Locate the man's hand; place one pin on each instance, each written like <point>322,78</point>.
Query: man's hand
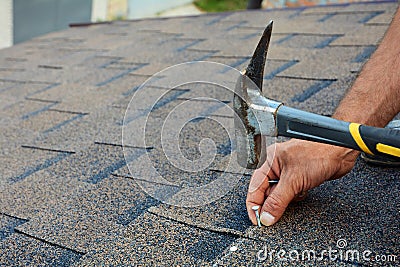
<point>300,166</point>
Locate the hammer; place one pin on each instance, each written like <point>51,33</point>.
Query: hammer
<point>257,117</point>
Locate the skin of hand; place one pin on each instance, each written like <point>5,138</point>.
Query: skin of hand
<point>302,165</point>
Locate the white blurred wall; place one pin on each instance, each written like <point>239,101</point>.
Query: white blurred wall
<point>142,9</point>
<point>21,20</point>
<point>6,23</point>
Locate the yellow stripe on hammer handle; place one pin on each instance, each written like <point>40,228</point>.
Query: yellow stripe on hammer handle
<point>390,150</point>
<point>376,145</point>
<point>355,133</point>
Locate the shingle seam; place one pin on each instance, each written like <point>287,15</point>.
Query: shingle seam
<point>203,100</point>
<point>236,64</point>
<point>68,111</point>
<point>235,26</point>
<point>216,229</point>
<point>217,19</point>
<point>344,12</point>
<point>311,91</point>
<point>224,171</point>
<point>304,78</point>
<point>249,36</point>
<point>140,75</point>
<point>370,16</point>
<point>153,78</point>
<point>222,116</point>
<point>327,41</point>
<point>41,166</point>
<point>112,60</point>
<point>15,59</point>
<point>280,69</point>
<point>63,123</point>
<point>12,69</point>
<point>310,34</point>
<point>230,56</point>
<point>43,89</point>
<point>49,242</point>
<point>116,33</point>
<point>302,8</point>
<point>121,145</point>
<point>50,67</point>
<point>86,49</point>
<point>298,13</point>
<point>144,180</point>
<point>47,149</point>
<point>9,228</point>
<point>202,50</point>
<point>160,32</point>
<point>38,111</point>
<point>120,75</point>
<point>201,226</point>
<point>192,43</point>
<point>365,54</point>
<point>41,100</point>
<point>113,167</point>
<point>285,38</point>
<point>13,216</point>
<point>160,103</point>
<point>24,82</point>
<point>206,56</point>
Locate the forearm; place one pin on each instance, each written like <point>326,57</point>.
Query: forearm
<point>374,98</point>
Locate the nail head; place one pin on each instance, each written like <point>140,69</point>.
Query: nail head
<point>255,208</point>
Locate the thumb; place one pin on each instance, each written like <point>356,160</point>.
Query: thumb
<point>276,203</point>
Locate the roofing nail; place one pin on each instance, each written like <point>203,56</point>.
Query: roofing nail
<point>255,208</point>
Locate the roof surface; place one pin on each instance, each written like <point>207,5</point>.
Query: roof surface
<point>68,198</point>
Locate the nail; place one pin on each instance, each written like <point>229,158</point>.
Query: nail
<point>255,208</point>
<point>267,219</point>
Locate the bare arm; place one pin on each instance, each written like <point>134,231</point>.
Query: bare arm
<point>374,100</point>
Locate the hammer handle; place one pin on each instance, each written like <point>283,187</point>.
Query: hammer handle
<point>308,126</point>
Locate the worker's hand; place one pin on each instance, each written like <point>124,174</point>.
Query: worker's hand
<point>300,166</point>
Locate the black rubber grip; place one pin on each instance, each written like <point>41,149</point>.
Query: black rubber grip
<point>309,126</point>
<point>381,140</point>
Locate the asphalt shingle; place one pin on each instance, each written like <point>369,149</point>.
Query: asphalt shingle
<point>67,196</point>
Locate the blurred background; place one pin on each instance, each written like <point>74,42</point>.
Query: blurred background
<point>22,20</point>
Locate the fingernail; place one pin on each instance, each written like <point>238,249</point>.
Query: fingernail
<point>267,219</point>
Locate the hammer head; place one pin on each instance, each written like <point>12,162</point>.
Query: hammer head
<point>254,116</point>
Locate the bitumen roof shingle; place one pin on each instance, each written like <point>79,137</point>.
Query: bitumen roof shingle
<point>67,197</point>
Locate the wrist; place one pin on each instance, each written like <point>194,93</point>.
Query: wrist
<point>347,154</point>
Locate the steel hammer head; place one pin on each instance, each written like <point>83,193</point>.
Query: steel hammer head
<point>254,114</point>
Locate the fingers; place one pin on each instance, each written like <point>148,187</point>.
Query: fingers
<point>299,166</point>
<point>276,203</point>
<point>259,186</point>
<point>256,193</point>
<point>251,213</point>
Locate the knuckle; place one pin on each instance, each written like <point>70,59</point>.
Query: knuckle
<point>275,202</point>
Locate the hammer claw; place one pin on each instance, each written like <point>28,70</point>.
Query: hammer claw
<point>249,142</point>
<point>255,70</point>
<point>258,117</point>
